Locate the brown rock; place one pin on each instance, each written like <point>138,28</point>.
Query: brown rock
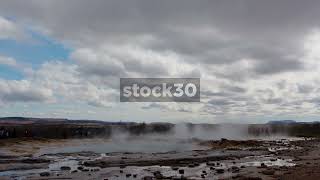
<point>268,172</point>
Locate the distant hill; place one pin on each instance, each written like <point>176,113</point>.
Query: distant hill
<point>16,127</point>
<point>28,120</point>
<point>282,122</point>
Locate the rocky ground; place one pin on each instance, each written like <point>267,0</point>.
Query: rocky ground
<point>222,159</point>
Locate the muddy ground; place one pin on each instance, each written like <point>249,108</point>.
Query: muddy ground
<point>220,159</point>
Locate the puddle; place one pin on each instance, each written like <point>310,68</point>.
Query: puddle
<point>144,145</point>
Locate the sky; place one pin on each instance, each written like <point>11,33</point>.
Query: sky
<point>257,60</point>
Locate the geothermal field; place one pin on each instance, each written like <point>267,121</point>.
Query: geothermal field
<point>37,149</point>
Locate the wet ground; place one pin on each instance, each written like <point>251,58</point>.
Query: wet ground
<point>179,159</point>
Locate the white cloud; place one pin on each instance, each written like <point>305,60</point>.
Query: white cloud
<point>10,30</point>
<point>12,63</point>
<point>23,91</point>
<point>8,61</point>
<point>69,85</point>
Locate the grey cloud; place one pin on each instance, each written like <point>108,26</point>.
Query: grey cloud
<point>232,93</point>
<point>25,96</point>
<point>244,23</point>
<point>212,93</point>
<point>281,84</point>
<point>156,106</point>
<point>151,70</point>
<point>152,105</point>
<point>234,76</point>
<point>102,71</point>
<point>268,67</point>
<point>244,17</point>
<point>234,89</point>
<point>273,101</point>
<point>166,107</point>
<point>220,102</point>
<point>305,89</point>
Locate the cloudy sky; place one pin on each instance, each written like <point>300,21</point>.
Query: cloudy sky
<point>257,60</point>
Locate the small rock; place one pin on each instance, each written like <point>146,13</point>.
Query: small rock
<point>263,165</point>
<point>179,178</point>
<point>147,178</point>
<point>297,159</point>
<point>238,176</point>
<point>65,168</point>
<point>220,171</point>
<point>175,168</point>
<point>235,169</point>
<point>181,171</point>
<point>35,161</point>
<point>158,175</point>
<point>252,178</point>
<point>45,174</point>
<point>268,172</point>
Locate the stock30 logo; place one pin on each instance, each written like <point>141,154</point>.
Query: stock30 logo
<point>159,89</point>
